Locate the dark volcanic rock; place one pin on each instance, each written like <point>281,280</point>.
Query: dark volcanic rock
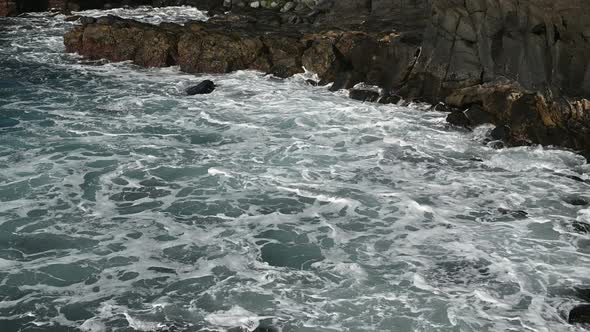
<point>517,214</point>
<point>580,314</point>
<point>204,87</point>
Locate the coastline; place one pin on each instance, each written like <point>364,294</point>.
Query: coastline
<point>539,100</point>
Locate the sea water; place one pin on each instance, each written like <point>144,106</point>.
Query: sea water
<point>126,205</point>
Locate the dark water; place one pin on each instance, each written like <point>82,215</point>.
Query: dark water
<point>126,206</point>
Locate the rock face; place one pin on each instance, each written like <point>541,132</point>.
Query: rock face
<point>523,65</point>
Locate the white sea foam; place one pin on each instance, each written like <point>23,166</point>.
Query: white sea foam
<point>153,15</point>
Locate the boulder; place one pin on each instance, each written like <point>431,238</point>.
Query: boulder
<point>580,314</point>
<point>205,87</point>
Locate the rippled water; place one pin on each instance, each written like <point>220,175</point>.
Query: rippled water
<point>125,205</point>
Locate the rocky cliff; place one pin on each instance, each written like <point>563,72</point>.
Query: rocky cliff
<point>521,64</point>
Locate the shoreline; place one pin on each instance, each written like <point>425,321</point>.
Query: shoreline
<point>545,108</point>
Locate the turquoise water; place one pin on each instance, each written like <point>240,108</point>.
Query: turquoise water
<point>127,206</point>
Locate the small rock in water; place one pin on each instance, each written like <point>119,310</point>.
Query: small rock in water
<point>72,18</point>
<point>311,82</point>
<point>161,269</point>
<point>576,201</point>
<point>580,314</point>
<point>205,87</point>
<point>581,227</point>
<point>518,214</point>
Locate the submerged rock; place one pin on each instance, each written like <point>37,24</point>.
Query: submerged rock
<point>578,201</point>
<point>159,269</point>
<point>205,87</point>
<point>517,214</point>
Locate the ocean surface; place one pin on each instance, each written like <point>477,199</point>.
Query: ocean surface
<point>127,206</point>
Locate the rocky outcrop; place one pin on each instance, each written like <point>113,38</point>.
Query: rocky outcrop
<point>523,65</point>
<point>236,42</point>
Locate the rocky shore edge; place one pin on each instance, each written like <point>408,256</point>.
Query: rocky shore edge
<point>523,66</point>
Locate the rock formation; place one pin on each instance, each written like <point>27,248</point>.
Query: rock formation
<point>15,7</point>
<point>523,65</point>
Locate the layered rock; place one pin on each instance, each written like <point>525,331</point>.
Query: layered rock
<point>523,65</point>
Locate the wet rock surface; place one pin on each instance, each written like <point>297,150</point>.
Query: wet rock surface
<point>525,68</point>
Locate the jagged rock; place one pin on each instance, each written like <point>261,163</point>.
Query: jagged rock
<point>517,214</point>
<point>581,227</point>
<point>205,87</point>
